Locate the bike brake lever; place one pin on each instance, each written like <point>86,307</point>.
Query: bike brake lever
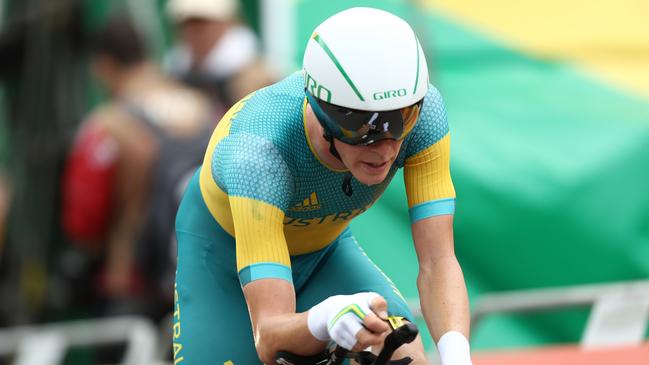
<point>402,335</point>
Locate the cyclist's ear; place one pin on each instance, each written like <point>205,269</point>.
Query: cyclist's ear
<point>380,307</point>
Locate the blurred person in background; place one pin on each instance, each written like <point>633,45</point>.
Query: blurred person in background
<point>215,51</point>
<point>124,174</point>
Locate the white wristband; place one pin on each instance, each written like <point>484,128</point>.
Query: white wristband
<point>454,349</point>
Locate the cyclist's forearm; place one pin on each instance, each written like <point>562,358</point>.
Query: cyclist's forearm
<point>443,297</point>
<point>285,332</point>
<point>275,325</point>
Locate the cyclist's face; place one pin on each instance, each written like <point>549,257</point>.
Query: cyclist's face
<point>369,164</point>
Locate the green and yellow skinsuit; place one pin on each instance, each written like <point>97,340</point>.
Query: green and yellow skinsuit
<point>264,206</point>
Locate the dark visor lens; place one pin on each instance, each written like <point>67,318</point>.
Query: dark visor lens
<point>356,127</point>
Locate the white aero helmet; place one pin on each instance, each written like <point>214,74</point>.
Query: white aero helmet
<point>365,76</point>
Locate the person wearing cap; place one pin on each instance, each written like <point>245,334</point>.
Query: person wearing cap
<point>267,261</point>
<point>216,52</point>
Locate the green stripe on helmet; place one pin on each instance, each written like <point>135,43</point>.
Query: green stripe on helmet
<point>324,46</point>
<point>414,91</point>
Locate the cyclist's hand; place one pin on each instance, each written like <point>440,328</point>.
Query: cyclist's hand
<point>352,321</point>
<point>375,328</point>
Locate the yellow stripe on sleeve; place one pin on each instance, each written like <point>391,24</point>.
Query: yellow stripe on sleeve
<point>427,174</point>
<point>259,233</point>
<point>215,198</point>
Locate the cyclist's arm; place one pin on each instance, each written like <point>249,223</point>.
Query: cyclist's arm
<point>442,290</point>
<point>276,326</point>
<point>264,271</point>
<point>264,268</point>
<point>352,321</point>
<point>258,183</point>
<point>431,198</point>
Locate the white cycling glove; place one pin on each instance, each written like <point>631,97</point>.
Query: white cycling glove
<point>454,349</point>
<point>339,318</point>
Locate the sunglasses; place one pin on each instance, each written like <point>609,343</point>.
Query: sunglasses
<point>360,127</point>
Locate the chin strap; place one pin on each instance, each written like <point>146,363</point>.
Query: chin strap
<point>347,180</point>
<point>332,147</point>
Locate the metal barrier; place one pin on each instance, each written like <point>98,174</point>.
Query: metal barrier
<point>619,315</point>
<point>53,340</point>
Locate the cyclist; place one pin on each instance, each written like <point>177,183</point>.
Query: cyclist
<point>266,260</point>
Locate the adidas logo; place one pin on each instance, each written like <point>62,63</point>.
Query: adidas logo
<point>308,204</point>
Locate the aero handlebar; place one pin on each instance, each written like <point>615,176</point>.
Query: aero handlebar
<point>402,335</point>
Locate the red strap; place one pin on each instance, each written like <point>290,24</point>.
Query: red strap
<point>87,186</point>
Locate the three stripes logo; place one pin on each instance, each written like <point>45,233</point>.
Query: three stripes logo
<point>307,205</point>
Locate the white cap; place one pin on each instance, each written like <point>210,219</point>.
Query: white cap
<point>218,10</point>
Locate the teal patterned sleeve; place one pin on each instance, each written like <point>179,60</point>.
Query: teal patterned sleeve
<point>432,125</point>
<point>252,167</point>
